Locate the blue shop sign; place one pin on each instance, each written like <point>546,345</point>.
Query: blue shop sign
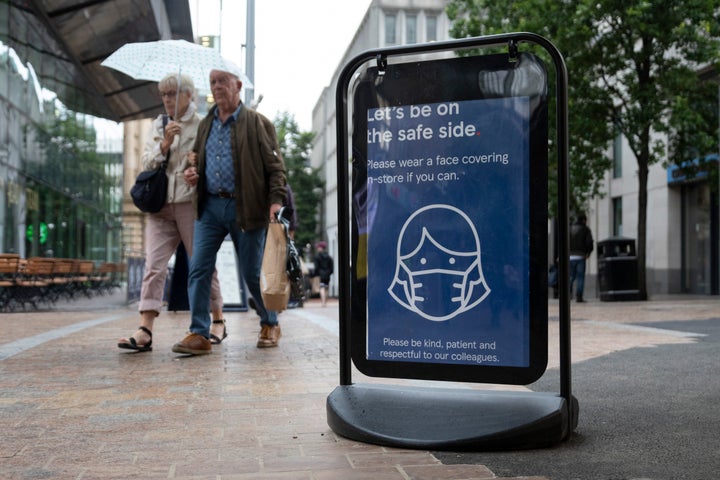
<point>690,170</point>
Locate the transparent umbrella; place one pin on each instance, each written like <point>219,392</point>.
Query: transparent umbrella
<point>154,60</point>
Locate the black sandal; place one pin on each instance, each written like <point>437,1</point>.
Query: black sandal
<point>214,339</point>
<point>133,345</point>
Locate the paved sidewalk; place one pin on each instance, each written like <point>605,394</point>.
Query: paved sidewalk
<point>74,406</point>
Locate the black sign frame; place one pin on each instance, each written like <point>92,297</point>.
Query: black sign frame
<point>454,419</point>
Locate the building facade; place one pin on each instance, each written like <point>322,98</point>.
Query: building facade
<point>682,223</point>
<point>386,23</point>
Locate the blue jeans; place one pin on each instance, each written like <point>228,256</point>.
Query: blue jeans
<point>577,272</point>
<point>215,222</point>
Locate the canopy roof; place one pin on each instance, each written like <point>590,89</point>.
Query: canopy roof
<point>72,38</point>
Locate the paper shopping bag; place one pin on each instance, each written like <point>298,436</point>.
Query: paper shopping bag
<point>274,282</point>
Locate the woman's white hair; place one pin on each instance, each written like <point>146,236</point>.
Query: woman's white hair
<point>171,81</point>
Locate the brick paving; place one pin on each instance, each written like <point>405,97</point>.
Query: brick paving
<point>74,406</point>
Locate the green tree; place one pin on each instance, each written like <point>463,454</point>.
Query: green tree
<point>633,69</point>
<point>306,183</point>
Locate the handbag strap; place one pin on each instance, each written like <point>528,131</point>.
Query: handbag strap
<point>294,267</point>
<point>165,120</point>
<point>283,217</point>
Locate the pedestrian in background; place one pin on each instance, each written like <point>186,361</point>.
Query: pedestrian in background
<point>172,137</point>
<point>581,246</point>
<point>323,269</point>
<point>240,179</point>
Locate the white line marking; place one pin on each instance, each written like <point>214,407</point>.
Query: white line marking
<point>19,346</point>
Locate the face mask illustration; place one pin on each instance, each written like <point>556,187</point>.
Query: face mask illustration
<point>438,273</point>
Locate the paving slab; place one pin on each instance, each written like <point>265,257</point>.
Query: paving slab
<point>74,406</point>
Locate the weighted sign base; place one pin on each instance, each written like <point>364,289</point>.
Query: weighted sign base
<point>449,419</point>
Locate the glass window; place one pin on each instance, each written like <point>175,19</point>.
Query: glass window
<point>390,29</point>
<point>411,29</point>
<point>697,238</point>
<point>430,28</point>
<point>617,156</point>
<point>617,216</point>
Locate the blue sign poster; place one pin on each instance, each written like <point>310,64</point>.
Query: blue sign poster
<point>447,205</point>
<point>450,221</point>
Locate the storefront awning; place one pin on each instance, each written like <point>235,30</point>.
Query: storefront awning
<point>74,37</point>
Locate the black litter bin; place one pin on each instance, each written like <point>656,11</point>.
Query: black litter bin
<point>617,269</point>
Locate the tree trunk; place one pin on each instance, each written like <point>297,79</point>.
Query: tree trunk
<point>642,225</point>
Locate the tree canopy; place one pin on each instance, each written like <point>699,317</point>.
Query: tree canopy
<point>305,181</point>
<point>633,68</point>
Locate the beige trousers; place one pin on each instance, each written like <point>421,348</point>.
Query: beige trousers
<point>165,230</point>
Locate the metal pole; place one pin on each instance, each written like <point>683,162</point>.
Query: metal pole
<point>250,51</point>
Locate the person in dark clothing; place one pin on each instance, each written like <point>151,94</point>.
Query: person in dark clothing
<point>295,300</point>
<point>581,246</point>
<point>323,269</point>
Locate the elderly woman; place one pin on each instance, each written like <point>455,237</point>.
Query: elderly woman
<point>171,138</point>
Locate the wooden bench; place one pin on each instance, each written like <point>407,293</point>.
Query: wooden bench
<point>61,281</point>
<point>9,264</point>
<point>34,281</point>
<point>102,278</point>
<point>82,277</point>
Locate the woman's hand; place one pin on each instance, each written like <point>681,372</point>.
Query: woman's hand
<point>171,130</point>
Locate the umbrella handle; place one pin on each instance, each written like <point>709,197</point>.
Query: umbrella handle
<point>177,91</point>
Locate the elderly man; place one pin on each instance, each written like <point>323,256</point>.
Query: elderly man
<point>240,179</point>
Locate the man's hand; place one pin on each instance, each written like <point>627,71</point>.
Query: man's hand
<point>191,176</point>
<point>274,208</point>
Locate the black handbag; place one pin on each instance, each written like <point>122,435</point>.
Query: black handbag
<point>293,265</point>
<point>150,190</point>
